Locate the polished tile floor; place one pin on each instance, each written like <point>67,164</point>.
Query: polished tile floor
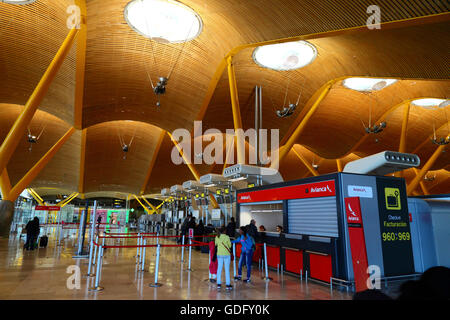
<point>42,274</point>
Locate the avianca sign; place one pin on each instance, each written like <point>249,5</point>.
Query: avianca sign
<point>353,210</point>
<point>309,190</point>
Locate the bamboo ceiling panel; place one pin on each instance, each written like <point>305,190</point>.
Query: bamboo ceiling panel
<point>105,166</point>
<point>30,36</point>
<point>117,87</point>
<point>385,53</point>
<point>62,170</point>
<point>118,59</point>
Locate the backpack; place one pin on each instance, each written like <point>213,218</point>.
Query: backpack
<point>253,243</point>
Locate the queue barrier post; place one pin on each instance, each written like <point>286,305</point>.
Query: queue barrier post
<point>267,278</point>
<point>95,252</point>
<point>234,260</point>
<point>98,273</point>
<point>190,255</point>
<point>61,230</point>
<point>156,283</point>
<point>137,249</point>
<point>182,248</point>
<point>91,252</point>
<point>141,242</point>
<point>143,256</point>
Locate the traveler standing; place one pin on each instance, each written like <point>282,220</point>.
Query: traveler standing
<point>199,231</point>
<point>184,228</point>
<point>32,233</point>
<point>99,221</point>
<point>247,248</point>
<point>223,244</point>
<point>252,230</point>
<point>231,228</point>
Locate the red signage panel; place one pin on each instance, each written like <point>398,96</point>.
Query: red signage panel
<point>47,208</point>
<point>308,190</point>
<point>353,210</point>
<point>357,242</point>
<point>191,233</point>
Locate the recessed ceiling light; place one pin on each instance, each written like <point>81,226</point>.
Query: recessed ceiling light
<point>430,103</point>
<point>285,56</point>
<point>367,84</point>
<point>18,1</point>
<point>163,20</point>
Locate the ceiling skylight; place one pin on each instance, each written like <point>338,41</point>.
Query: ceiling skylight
<point>367,84</point>
<point>163,20</point>
<point>430,103</point>
<point>18,1</point>
<point>285,56</point>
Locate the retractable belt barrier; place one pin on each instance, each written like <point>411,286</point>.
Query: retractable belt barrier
<point>96,256</point>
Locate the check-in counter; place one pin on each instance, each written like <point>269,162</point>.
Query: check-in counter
<point>293,260</point>
<point>320,266</point>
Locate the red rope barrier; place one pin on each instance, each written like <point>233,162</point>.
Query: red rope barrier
<point>148,245</point>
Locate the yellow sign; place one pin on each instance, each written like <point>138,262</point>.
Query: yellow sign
<point>218,192</point>
<point>392,197</point>
<point>251,185</point>
<point>227,191</point>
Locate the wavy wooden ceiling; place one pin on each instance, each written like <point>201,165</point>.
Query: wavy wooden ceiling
<point>117,87</point>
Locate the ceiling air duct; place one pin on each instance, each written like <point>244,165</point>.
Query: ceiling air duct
<point>176,189</point>
<point>383,163</point>
<point>244,171</point>
<point>192,185</point>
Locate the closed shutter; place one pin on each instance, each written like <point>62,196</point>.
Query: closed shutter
<point>314,216</point>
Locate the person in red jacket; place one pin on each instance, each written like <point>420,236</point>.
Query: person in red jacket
<point>212,264</point>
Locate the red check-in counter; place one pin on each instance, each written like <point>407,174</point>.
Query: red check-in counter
<point>293,260</point>
<point>273,256</point>
<point>257,254</point>
<point>320,266</point>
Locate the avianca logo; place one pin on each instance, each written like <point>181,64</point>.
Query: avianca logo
<point>355,217</point>
<point>351,211</point>
<point>322,189</point>
<point>245,198</point>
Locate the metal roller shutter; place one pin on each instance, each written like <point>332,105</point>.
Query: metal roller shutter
<point>315,216</point>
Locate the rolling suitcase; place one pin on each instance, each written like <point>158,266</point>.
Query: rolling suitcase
<point>43,242</point>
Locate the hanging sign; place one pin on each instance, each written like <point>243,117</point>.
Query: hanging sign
<point>47,208</point>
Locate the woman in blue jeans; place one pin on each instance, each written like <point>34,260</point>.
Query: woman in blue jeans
<point>247,249</point>
<point>223,244</point>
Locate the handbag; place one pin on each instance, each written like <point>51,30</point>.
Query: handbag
<point>231,253</point>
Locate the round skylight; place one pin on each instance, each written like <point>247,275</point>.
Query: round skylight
<point>285,56</point>
<point>367,84</point>
<point>163,20</point>
<point>18,1</point>
<point>430,103</point>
